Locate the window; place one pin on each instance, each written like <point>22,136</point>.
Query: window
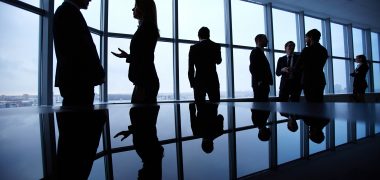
<point>242,76</point>
<point>120,17</point>
<point>340,76</point>
<point>337,40</point>
<point>375,46</point>
<point>191,17</point>
<point>284,28</point>
<point>247,22</point>
<point>19,47</point>
<point>32,2</point>
<point>357,35</point>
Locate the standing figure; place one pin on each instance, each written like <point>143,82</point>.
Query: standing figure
<point>78,66</point>
<point>142,71</point>
<point>204,56</point>
<point>310,66</point>
<point>260,70</point>
<point>360,84</point>
<point>290,86</point>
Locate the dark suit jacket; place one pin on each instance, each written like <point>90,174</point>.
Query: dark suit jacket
<point>283,62</point>
<point>259,67</point>
<point>360,83</point>
<point>142,71</point>
<point>77,58</point>
<point>310,65</point>
<point>204,56</point>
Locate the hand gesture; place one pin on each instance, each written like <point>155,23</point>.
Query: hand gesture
<point>125,134</point>
<point>122,54</point>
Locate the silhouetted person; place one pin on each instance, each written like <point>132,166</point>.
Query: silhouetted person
<point>290,85</point>
<point>316,126</point>
<point>145,140</point>
<point>78,65</point>
<point>204,56</point>
<point>259,119</point>
<point>142,71</point>
<point>260,70</point>
<point>360,83</point>
<point>206,123</point>
<point>310,66</point>
<point>292,123</point>
<point>79,136</point>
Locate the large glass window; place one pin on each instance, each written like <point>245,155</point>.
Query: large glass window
<point>242,76</point>
<point>247,22</point>
<point>340,76</point>
<point>376,76</point>
<point>19,47</point>
<point>164,66</point>
<point>337,40</point>
<point>375,46</point>
<point>284,28</point>
<point>357,35</point>
<point>32,2</point>
<point>193,14</point>
<point>120,17</point>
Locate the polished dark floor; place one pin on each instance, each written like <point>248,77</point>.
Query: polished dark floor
<point>172,141</point>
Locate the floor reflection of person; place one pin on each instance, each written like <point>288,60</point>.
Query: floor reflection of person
<point>259,119</point>
<point>79,136</point>
<point>316,126</point>
<point>145,140</point>
<point>206,123</point>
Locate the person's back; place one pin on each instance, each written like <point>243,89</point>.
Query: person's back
<point>316,57</point>
<point>206,56</point>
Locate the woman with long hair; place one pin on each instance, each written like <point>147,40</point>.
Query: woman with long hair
<point>360,83</point>
<point>142,72</point>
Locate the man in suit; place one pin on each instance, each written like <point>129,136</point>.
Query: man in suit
<point>204,56</point>
<point>78,66</point>
<point>310,66</point>
<point>290,87</point>
<point>260,70</point>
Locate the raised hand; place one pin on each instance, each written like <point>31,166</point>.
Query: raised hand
<point>122,54</point>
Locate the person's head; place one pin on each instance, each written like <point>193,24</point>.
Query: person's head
<point>261,40</point>
<point>312,37</point>
<point>203,33</point>
<point>292,125</point>
<point>207,145</point>
<point>361,59</point>
<point>82,4</point>
<point>264,134</point>
<point>289,47</point>
<point>145,10</point>
<point>316,135</point>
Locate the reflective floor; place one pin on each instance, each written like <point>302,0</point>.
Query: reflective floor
<point>174,140</point>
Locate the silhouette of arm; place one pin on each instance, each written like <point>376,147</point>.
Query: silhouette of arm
<point>191,67</point>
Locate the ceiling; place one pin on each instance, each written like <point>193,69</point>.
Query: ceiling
<point>360,13</point>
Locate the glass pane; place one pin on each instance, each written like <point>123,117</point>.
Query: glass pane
<point>32,2</point>
<point>376,76</point>
<point>191,17</point>
<point>119,86</point>
<point>91,14</point>
<point>357,35</point>
<point>375,46</point>
<point>337,40</point>
<point>164,66</point>
<point>242,76</point>
<point>340,76</point>
<point>19,47</point>
<point>247,22</point>
<point>313,23</point>
<point>120,17</point>
<point>284,28</point>
<point>165,17</point>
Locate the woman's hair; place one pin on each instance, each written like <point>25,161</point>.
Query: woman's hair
<point>362,58</point>
<point>149,11</point>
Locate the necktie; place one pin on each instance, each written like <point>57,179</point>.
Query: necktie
<point>290,61</point>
